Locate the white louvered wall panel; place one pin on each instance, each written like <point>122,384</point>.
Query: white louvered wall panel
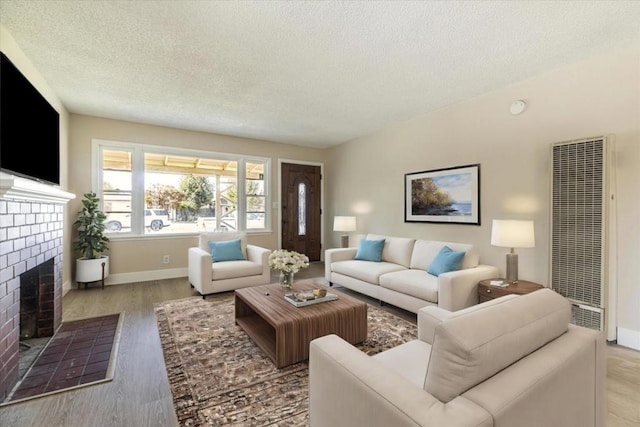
<point>578,240</point>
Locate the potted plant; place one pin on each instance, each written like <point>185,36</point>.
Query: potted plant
<point>91,242</point>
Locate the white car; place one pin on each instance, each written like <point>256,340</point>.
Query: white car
<point>154,219</point>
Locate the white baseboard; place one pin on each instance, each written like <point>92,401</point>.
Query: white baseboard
<point>629,338</point>
<point>143,276</point>
<point>66,287</point>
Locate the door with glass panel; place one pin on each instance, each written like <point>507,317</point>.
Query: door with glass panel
<point>301,195</point>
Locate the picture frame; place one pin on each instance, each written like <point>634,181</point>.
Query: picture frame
<point>448,195</point>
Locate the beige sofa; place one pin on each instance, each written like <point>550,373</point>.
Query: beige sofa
<point>209,277</point>
<point>401,278</point>
<point>511,361</point>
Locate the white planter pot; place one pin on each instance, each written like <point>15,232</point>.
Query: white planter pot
<point>90,270</point>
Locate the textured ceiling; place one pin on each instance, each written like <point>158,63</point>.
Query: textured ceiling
<point>315,73</point>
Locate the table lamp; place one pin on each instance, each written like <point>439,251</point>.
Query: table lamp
<point>344,223</point>
<point>509,233</point>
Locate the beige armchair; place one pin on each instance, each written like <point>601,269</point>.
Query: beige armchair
<point>512,361</point>
<point>209,277</point>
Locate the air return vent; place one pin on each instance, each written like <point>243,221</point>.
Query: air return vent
<point>587,316</point>
<point>578,227</point>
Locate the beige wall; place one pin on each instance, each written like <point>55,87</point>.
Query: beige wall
<point>365,177</point>
<point>128,256</point>
<point>9,47</point>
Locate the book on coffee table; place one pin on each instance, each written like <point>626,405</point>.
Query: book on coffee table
<point>303,302</point>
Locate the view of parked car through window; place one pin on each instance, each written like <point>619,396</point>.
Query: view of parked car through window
<point>154,219</point>
<point>182,194</point>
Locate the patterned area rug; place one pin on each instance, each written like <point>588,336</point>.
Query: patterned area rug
<point>218,376</point>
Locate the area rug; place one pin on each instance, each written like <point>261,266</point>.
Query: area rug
<point>80,353</point>
<point>218,376</point>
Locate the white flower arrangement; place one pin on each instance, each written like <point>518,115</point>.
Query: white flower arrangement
<point>288,261</point>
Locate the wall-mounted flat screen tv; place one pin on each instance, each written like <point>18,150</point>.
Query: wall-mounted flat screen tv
<point>29,128</point>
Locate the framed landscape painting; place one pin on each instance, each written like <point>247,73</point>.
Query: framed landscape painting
<point>450,195</point>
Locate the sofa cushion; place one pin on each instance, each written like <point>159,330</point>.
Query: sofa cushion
<point>233,269</point>
<point>365,270</point>
<point>409,360</point>
<point>226,250</point>
<point>424,252</point>
<point>396,249</point>
<point>417,283</point>
<point>471,348</point>
<point>430,317</point>
<point>217,236</point>
<point>447,260</point>
<point>370,250</point>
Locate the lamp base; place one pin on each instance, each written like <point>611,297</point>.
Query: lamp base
<point>344,241</point>
<point>512,268</point>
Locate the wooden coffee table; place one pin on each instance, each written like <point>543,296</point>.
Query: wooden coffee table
<point>284,331</point>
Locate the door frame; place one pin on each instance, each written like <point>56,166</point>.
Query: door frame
<point>279,202</point>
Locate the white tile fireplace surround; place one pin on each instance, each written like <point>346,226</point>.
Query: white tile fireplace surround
<point>31,233</point>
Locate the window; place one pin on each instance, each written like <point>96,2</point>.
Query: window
<point>117,189</point>
<point>150,190</point>
<point>256,196</point>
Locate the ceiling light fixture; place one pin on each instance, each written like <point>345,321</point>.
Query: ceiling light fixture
<point>517,107</point>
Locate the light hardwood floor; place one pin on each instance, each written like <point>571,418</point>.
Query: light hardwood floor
<point>139,394</point>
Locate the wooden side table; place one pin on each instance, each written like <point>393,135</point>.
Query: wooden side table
<point>487,291</point>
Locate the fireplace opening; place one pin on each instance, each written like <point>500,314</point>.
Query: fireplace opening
<point>36,312</point>
<point>36,301</point>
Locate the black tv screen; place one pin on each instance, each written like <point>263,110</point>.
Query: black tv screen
<point>29,128</point>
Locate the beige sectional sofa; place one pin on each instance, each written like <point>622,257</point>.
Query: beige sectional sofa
<point>401,278</point>
<point>511,361</point>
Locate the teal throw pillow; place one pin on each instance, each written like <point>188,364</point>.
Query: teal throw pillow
<point>446,260</point>
<point>370,250</point>
<point>227,250</point>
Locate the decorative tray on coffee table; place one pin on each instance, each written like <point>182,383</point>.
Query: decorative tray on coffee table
<point>301,299</point>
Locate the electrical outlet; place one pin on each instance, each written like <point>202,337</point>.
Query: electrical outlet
<point>165,259</point>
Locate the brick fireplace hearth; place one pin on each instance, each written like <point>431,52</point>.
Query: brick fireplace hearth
<point>31,233</point>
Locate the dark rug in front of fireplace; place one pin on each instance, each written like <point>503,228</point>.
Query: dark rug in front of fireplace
<point>80,353</point>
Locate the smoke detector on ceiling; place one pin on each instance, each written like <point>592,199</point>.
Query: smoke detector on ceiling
<point>517,107</point>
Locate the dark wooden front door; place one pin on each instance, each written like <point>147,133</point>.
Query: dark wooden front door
<point>301,213</point>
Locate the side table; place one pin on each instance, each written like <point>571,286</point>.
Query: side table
<point>487,291</point>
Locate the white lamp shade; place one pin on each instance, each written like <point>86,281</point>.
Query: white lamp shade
<point>510,233</point>
<point>344,223</point>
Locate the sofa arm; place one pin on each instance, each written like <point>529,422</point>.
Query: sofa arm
<point>258,254</point>
<point>338,254</point>
<point>199,262</point>
<point>349,388</point>
<point>458,289</point>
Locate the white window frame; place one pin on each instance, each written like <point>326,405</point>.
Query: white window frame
<point>137,188</point>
